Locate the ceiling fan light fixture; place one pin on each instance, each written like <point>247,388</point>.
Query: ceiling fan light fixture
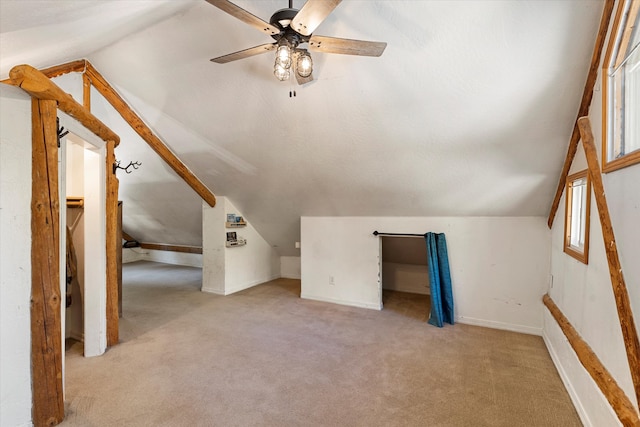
<point>281,72</point>
<point>304,64</point>
<point>283,56</point>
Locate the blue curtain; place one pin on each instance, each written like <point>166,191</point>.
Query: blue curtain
<point>440,280</point>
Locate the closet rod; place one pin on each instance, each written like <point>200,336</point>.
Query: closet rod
<point>377,233</point>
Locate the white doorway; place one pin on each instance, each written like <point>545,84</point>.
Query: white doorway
<point>82,170</point>
<point>404,274</point>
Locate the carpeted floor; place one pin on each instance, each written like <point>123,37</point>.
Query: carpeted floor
<point>265,357</point>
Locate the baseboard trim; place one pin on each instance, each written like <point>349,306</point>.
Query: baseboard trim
<point>242,287</point>
<point>358,304</point>
<point>250,284</point>
<point>530,330</point>
<point>575,399</point>
<point>297,277</point>
<point>212,291</point>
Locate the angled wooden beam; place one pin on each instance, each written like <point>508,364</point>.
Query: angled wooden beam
<point>46,335</point>
<point>147,135</point>
<point>587,95</point>
<point>172,248</point>
<point>58,70</point>
<point>620,293</point>
<point>616,397</point>
<point>128,237</point>
<point>40,86</point>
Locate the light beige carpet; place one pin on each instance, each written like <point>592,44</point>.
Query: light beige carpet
<point>265,357</point>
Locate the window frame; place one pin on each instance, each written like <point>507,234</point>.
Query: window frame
<point>568,248</point>
<point>621,32</point>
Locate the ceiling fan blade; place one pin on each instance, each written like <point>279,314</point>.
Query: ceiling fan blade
<point>244,16</point>
<point>346,46</point>
<point>252,51</point>
<point>312,14</point>
<point>303,80</point>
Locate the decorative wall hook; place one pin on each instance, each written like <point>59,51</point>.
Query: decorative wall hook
<point>134,165</point>
<point>61,132</point>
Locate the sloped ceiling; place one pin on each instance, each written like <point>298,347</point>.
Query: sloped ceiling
<point>467,113</point>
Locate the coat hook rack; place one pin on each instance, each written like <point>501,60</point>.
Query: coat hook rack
<point>61,132</point>
<point>134,165</point>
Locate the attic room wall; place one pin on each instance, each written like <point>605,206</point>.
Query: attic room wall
<point>499,265</point>
<point>15,257</point>
<point>584,292</point>
<point>229,270</point>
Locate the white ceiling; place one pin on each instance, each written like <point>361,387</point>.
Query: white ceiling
<point>468,111</point>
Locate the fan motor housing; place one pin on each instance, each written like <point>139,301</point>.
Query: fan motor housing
<point>293,37</point>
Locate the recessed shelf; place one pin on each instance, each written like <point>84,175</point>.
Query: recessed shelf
<point>235,224</point>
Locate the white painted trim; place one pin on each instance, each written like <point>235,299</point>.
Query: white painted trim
<point>575,399</point>
<point>213,291</point>
<point>343,302</point>
<point>248,285</point>
<point>499,325</point>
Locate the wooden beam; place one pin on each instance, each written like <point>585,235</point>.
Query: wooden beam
<point>620,293</point>
<point>127,237</point>
<point>46,337</point>
<point>587,95</point>
<point>113,245</point>
<point>86,92</point>
<point>148,136</point>
<point>39,86</point>
<point>616,397</point>
<point>58,70</point>
<point>172,248</point>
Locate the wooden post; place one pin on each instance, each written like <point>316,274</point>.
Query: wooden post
<point>616,397</point>
<point>587,95</point>
<point>620,293</point>
<point>119,259</point>
<point>113,242</point>
<point>86,91</point>
<point>46,333</point>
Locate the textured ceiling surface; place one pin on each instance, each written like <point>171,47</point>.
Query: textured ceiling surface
<point>467,113</point>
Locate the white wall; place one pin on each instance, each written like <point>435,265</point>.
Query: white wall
<point>584,292</point>
<point>290,267</point>
<point>15,257</point>
<point>170,257</point>
<point>499,265</point>
<point>229,270</point>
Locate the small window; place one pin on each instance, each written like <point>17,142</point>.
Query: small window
<point>577,211</point>
<point>621,140</point>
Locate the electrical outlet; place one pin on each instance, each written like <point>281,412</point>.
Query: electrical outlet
<point>331,281</point>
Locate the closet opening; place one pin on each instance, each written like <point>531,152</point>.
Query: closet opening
<point>405,276</point>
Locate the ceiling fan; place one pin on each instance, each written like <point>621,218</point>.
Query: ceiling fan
<point>292,28</point>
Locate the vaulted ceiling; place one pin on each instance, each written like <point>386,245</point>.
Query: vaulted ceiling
<point>467,113</point>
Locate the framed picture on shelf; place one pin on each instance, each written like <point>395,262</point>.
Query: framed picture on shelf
<point>231,217</point>
<point>231,236</point>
